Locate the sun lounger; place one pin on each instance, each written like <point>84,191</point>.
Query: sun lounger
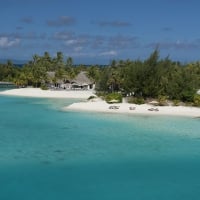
<point>131,108</point>
<point>114,107</point>
<point>153,109</point>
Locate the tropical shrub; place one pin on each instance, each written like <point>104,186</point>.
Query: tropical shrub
<point>136,100</point>
<point>188,95</point>
<point>44,87</point>
<point>176,102</point>
<point>162,100</point>
<point>196,100</point>
<point>113,97</point>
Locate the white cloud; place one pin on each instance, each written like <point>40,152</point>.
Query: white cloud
<point>5,42</point>
<point>63,35</point>
<point>71,42</point>
<point>108,53</point>
<point>76,42</point>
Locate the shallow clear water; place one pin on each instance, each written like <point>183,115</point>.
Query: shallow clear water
<point>48,154</point>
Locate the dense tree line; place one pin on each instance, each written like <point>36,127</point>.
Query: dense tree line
<point>150,78</point>
<point>8,71</point>
<point>34,72</point>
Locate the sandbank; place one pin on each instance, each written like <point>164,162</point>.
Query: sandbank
<point>98,105</point>
<point>37,92</point>
<point>133,109</point>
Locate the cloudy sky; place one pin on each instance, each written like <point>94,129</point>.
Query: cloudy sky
<point>97,31</point>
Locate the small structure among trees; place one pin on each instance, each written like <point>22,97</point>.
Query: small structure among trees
<point>80,82</point>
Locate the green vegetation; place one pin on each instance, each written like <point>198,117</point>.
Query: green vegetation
<point>153,78</point>
<point>113,98</point>
<point>44,87</point>
<point>197,100</point>
<point>136,100</point>
<point>162,100</point>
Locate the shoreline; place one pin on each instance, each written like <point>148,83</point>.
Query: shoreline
<point>98,105</point>
<point>133,109</point>
<point>39,93</point>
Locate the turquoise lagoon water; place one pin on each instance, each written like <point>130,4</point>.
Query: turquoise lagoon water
<point>48,154</point>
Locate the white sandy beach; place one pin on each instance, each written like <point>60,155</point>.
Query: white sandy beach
<point>97,105</point>
<point>37,92</point>
<point>124,108</point>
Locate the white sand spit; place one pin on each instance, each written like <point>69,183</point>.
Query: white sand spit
<point>126,108</point>
<point>37,92</point>
<point>97,105</point>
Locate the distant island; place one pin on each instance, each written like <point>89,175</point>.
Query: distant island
<point>140,81</point>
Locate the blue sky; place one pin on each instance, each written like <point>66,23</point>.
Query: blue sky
<point>97,31</point>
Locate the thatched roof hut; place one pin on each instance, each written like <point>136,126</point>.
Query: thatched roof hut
<point>81,81</point>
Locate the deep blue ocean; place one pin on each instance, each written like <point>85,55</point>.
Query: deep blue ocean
<point>49,154</point>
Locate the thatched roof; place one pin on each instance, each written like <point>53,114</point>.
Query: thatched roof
<point>82,79</point>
